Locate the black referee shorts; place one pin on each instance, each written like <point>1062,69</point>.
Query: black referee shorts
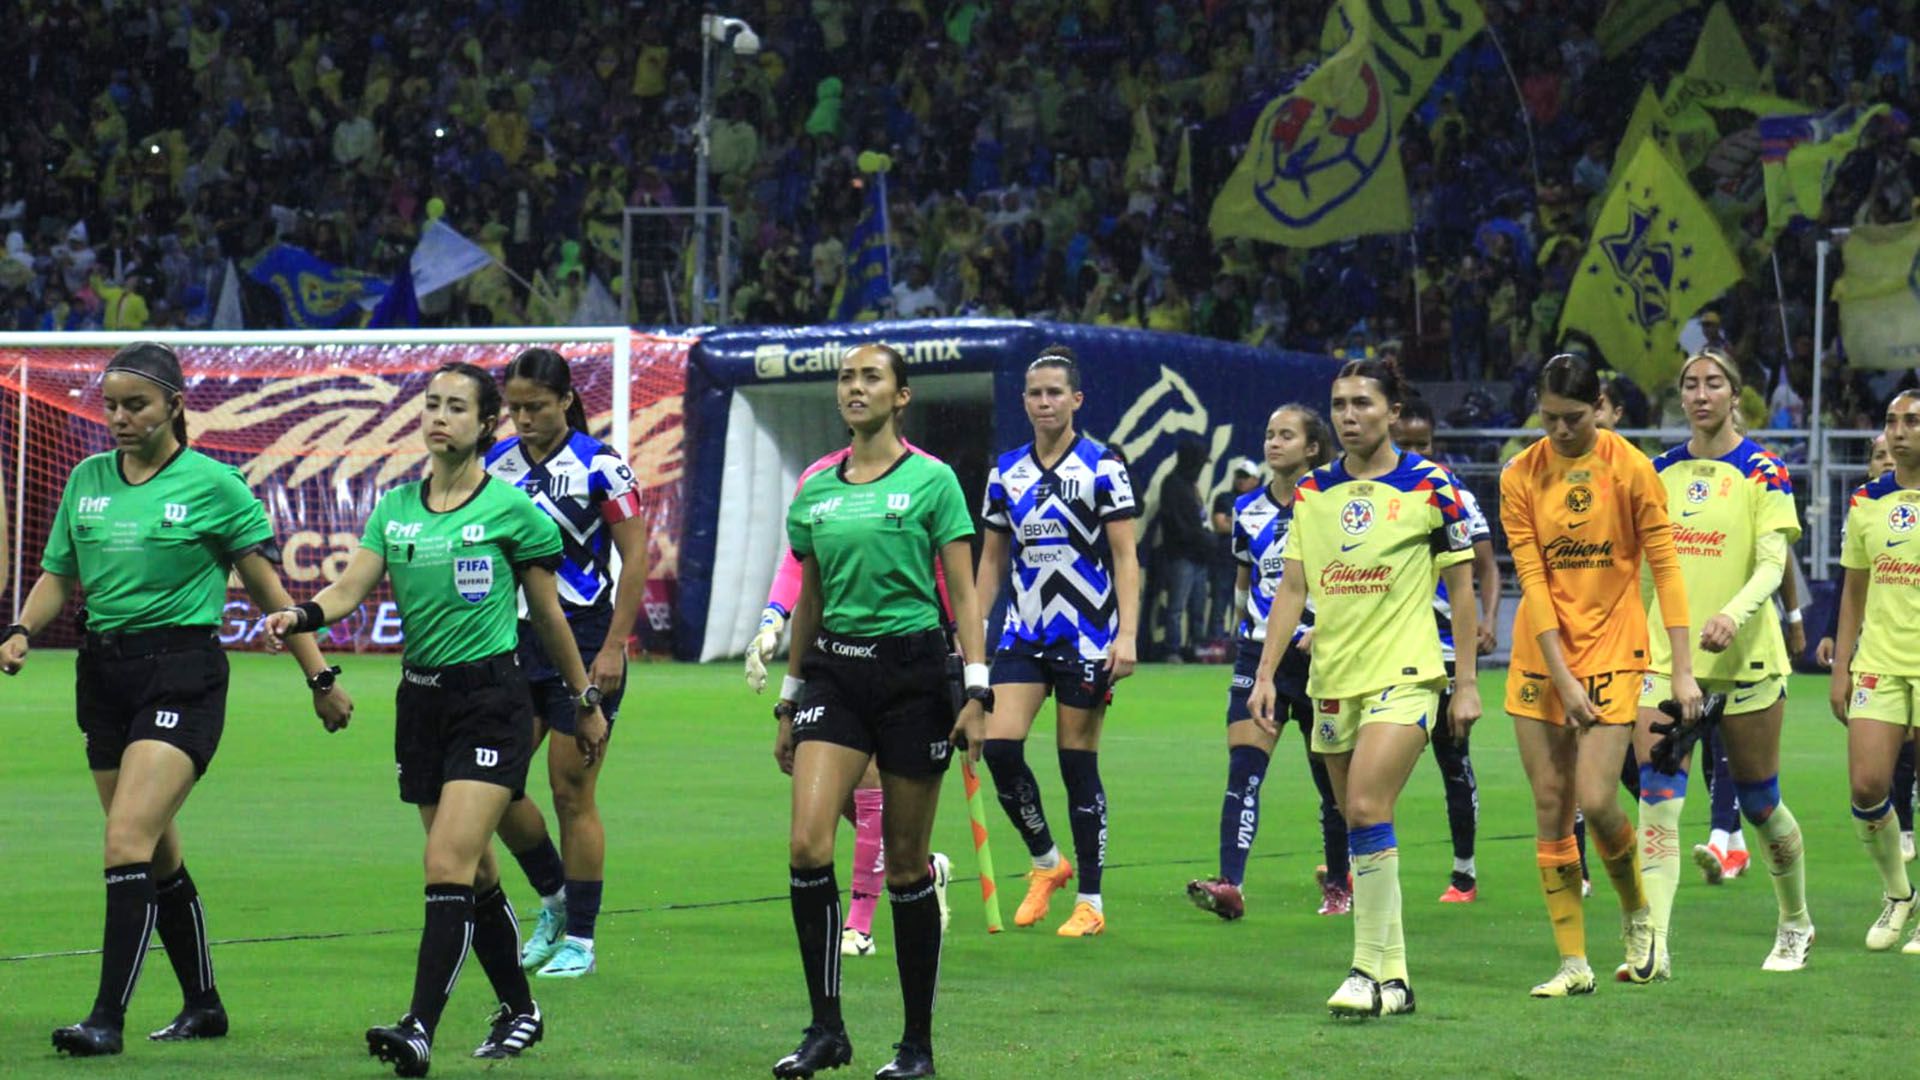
<point>553,701</point>
<point>169,685</point>
<point>462,722</point>
<point>889,697</point>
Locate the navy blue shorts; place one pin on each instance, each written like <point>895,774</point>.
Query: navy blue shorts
<point>553,703</point>
<point>1076,682</point>
<point>1289,679</point>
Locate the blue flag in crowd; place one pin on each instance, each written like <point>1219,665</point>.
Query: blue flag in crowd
<point>318,295</point>
<point>399,307</point>
<point>869,277</point>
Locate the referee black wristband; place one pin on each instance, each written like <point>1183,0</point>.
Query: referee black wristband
<point>13,629</point>
<point>311,617</point>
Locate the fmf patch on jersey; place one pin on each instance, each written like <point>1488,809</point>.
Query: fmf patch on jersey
<point>403,529</point>
<point>1357,517</point>
<point>818,511</point>
<point>1698,491</point>
<point>95,504</point>
<point>473,578</point>
<point>1902,517</point>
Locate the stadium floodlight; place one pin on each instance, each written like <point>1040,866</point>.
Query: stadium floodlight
<point>722,29</point>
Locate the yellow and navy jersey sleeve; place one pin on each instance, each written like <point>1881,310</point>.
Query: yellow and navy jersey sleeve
<point>1883,539</point>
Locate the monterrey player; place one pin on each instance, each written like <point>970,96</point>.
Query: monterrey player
<point>587,489</point>
<point>1060,507</point>
<point>1881,681</point>
<point>1297,442</point>
<point>1731,502</point>
<point>1370,533</point>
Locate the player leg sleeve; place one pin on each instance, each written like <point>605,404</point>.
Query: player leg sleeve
<point>1333,824</point>
<point>1463,792</point>
<point>1662,796</point>
<point>1784,846</point>
<point>444,941</point>
<point>1240,813</point>
<point>916,949</point>
<point>1019,792</point>
<point>1874,827</point>
<point>182,923</point>
<point>1903,785</point>
<point>1725,815</point>
<point>1087,814</point>
<point>869,871</point>
<point>816,922</point>
<point>496,944</point>
<point>123,946</point>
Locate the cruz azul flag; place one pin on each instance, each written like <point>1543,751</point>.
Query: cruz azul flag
<point>869,278</point>
<point>1657,255</point>
<point>1799,156</point>
<point>318,295</point>
<point>1880,296</point>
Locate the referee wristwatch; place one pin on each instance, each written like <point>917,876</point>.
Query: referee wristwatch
<point>589,699</point>
<point>981,694</point>
<point>322,681</point>
<point>14,630</point>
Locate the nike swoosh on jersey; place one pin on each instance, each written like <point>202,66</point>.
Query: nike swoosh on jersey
<point>1688,513</point>
<point>1575,525</point>
<point>1897,543</point>
<point>1357,543</point>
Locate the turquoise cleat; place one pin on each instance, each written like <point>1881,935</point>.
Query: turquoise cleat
<point>548,934</point>
<point>574,959</point>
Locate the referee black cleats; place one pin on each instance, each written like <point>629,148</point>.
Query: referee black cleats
<point>209,1022</point>
<point>512,1032</point>
<point>87,1039</point>
<point>820,1048</point>
<point>909,1060</point>
<point>1677,736</point>
<point>406,1046</point>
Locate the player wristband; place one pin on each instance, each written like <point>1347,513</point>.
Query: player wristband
<point>14,629</point>
<point>1794,617</point>
<point>311,617</point>
<point>975,676</point>
<point>791,688</point>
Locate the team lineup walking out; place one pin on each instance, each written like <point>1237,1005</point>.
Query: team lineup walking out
<point>454,546</point>
<point>1370,534</point>
<point>1060,510</point>
<point>148,533</point>
<point>588,490</point>
<point>1297,442</point>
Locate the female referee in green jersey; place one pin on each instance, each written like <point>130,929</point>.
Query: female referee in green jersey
<point>868,680</point>
<point>148,532</point>
<point>1371,532</point>
<point>454,546</point>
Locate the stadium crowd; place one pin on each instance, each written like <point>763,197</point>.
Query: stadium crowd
<point>149,143</point>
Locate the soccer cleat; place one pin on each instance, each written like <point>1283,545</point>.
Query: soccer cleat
<point>1906,846</point>
<point>1642,963</point>
<point>406,1046</point>
<point>548,935</point>
<point>86,1039</point>
<point>1335,900</point>
<point>512,1032</point>
<point>1456,895</point>
<point>1359,995</point>
<point>574,959</point>
<point>1573,978</point>
<point>1218,895</point>
<point>856,943</point>
<point>909,1060</point>
<point>820,1048</point>
<point>1912,947</point>
<point>1737,863</point>
<point>1790,947</point>
<point>207,1023</point>
<point>1396,998</point>
<point>942,870</point>
<point>1040,887</point>
<point>1086,921</point>
<point>1894,914</point>
<point>1712,863</point>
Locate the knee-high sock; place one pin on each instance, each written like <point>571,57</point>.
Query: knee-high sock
<point>1785,850</point>
<point>444,941</point>
<point>1333,825</point>
<point>916,950</point>
<point>541,863</point>
<point>1875,829</point>
<point>1725,815</point>
<point>1240,813</point>
<point>869,867</point>
<point>583,907</point>
<point>496,944</point>
<point>816,922</point>
<point>123,944</point>
<point>1580,842</point>
<point>1621,857</point>
<point>1903,786</point>
<point>1662,795</point>
<point>1376,902</point>
<point>1453,757</point>
<point>1019,792</point>
<point>1559,862</point>
<point>1087,814</point>
<point>182,923</point>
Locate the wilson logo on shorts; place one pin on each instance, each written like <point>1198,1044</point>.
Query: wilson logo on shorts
<point>473,578</point>
<point>166,719</point>
<point>938,751</point>
<point>486,758</point>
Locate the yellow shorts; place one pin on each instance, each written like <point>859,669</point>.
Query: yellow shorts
<point>1742,697</point>
<point>1337,721</point>
<point>1611,694</point>
<point>1890,699</point>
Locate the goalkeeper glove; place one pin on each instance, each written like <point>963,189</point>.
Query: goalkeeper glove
<point>1677,736</point>
<point>761,648</point>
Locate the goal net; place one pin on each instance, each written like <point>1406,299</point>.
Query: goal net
<point>321,424</point>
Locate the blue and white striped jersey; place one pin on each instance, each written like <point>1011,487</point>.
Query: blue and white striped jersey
<point>1260,528</point>
<point>1062,565</point>
<point>1442,608</point>
<point>585,487</point>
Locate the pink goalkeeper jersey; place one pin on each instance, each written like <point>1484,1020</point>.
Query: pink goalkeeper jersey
<point>786,580</point>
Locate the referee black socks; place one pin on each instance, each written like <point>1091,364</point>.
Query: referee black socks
<point>443,948</point>
<point>123,947</point>
<point>916,949</point>
<point>182,923</point>
<point>496,942</point>
<point>816,922</point>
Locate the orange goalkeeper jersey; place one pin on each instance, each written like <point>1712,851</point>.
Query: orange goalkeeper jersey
<point>1577,528</point>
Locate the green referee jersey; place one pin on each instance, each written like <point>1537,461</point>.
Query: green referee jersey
<point>157,553</point>
<point>876,544</point>
<point>453,570</point>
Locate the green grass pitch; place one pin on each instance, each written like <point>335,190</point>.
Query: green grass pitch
<point>310,868</point>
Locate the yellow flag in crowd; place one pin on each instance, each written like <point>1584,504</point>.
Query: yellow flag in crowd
<point>1625,22</point>
<point>1411,44</point>
<point>1657,255</point>
<point>1880,296</point>
<point>1647,121</point>
<point>1721,54</point>
<point>1704,105</point>
<point>1142,155</point>
<point>1801,154</point>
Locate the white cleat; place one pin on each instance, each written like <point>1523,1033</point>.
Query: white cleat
<point>856,943</point>
<point>1396,998</point>
<point>1912,947</point>
<point>1906,846</point>
<point>1573,978</point>
<point>1894,914</point>
<point>1642,964</point>
<point>1358,996</point>
<point>1790,947</point>
<point>942,868</point>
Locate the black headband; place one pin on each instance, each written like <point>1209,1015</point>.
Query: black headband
<point>155,363</point>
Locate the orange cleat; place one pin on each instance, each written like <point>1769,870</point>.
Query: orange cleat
<point>1040,887</point>
<point>1714,864</point>
<point>1457,895</point>
<point>1737,863</point>
<point>1084,922</point>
